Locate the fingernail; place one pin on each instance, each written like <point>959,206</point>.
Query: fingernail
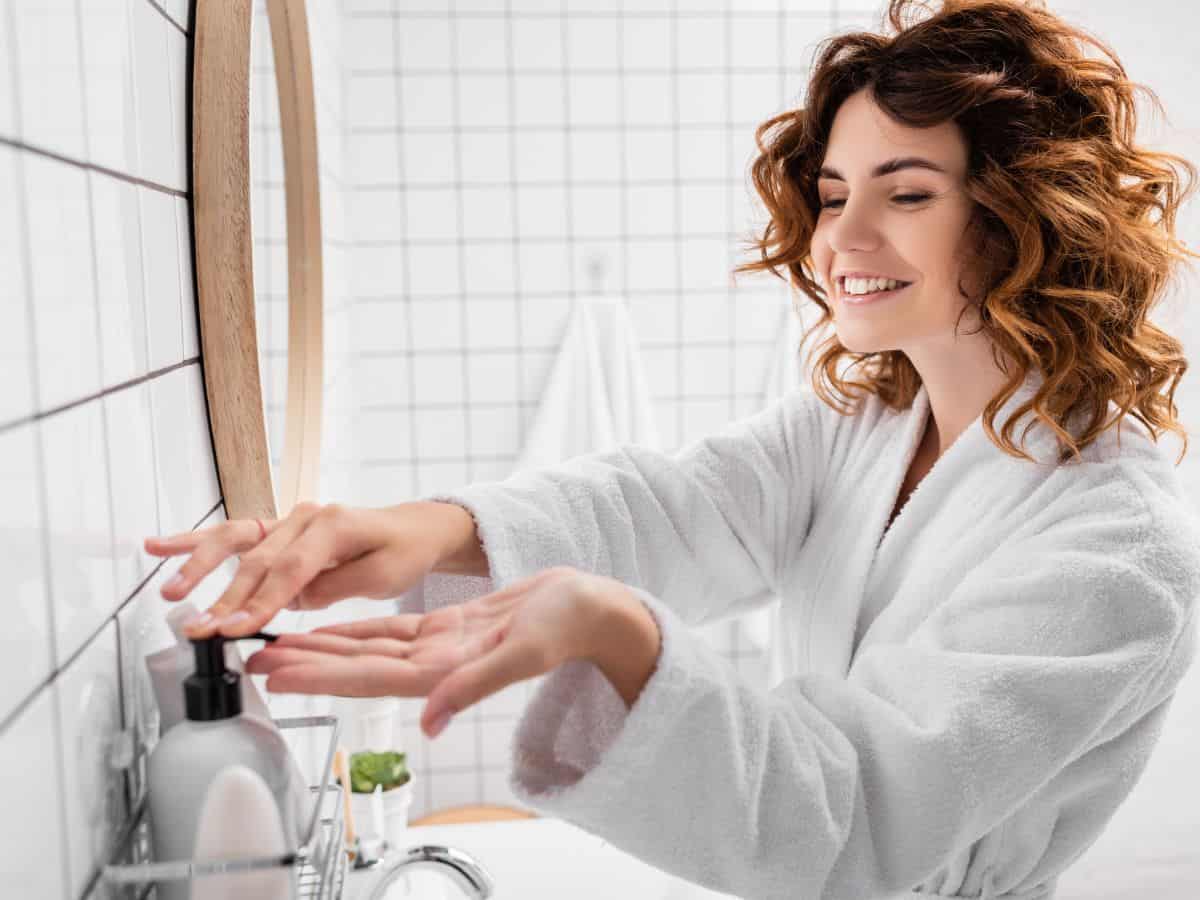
<point>197,620</point>
<point>233,618</point>
<point>293,604</point>
<point>438,724</point>
<point>173,583</point>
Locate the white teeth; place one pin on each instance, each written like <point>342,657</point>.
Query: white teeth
<point>869,285</point>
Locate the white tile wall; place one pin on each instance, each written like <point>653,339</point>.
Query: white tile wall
<point>33,851</point>
<point>79,525</point>
<point>484,185</point>
<point>160,240</point>
<point>50,89</point>
<point>157,151</point>
<point>62,284</point>
<point>26,641</point>
<point>109,88</point>
<point>102,416</point>
<point>17,357</point>
<point>116,234</point>
<point>89,705</point>
<point>9,116</point>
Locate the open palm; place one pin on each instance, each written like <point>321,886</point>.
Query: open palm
<point>456,655</point>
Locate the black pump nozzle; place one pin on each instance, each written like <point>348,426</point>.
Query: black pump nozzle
<point>212,691</point>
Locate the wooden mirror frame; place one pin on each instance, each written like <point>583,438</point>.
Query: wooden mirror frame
<point>224,257</point>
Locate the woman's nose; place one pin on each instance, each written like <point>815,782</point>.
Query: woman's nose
<point>854,228</point>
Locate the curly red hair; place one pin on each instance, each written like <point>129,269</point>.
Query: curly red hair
<point>1075,261</point>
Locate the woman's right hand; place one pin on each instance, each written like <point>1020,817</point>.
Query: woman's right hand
<point>315,556</point>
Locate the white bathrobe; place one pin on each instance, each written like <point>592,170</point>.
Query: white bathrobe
<point>968,701</point>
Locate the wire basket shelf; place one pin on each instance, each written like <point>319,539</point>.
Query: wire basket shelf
<point>318,865</point>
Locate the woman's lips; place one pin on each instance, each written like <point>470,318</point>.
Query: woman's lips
<point>864,299</point>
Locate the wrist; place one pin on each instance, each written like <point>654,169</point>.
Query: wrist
<point>458,550</point>
<point>624,639</point>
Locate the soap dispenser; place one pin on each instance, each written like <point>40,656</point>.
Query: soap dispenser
<point>215,734</point>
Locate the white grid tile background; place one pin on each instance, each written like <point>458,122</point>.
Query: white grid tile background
<point>482,165</point>
<point>506,159</point>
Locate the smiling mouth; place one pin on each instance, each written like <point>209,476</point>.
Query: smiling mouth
<point>854,299</point>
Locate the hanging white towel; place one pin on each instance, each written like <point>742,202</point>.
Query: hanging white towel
<point>597,395</point>
<point>784,374</point>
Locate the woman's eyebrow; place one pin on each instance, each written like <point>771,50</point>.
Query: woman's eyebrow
<point>887,168</point>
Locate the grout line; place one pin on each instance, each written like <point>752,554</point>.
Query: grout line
<point>513,185</point>
<point>678,200</point>
<point>735,627</point>
<point>89,166</point>
<point>759,293</point>
<point>460,239</point>
<point>542,127</point>
<point>406,290</point>
<point>103,392</point>
<point>816,16</point>
<point>371,187</point>
<point>584,71</point>
<point>564,75</point>
<point>624,181</point>
<point>166,15</point>
<point>543,239</point>
<point>464,331</point>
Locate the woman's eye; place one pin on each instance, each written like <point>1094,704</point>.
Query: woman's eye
<point>904,198</point>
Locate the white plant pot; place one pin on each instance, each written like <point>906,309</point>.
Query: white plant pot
<point>395,803</point>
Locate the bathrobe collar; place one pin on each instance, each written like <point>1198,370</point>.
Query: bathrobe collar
<point>971,444</point>
<point>848,583</point>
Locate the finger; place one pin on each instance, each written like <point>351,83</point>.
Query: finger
<point>404,626</point>
<point>156,545</point>
<point>223,541</point>
<point>363,676</point>
<point>345,646</point>
<point>251,571</point>
<point>293,567</point>
<point>186,541</point>
<point>502,663</point>
<point>272,657</point>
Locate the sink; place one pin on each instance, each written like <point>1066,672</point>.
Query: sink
<point>533,859</point>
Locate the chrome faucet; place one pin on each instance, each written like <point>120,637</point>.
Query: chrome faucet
<point>461,868</point>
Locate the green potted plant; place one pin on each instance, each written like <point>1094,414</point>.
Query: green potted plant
<point>385,771</point>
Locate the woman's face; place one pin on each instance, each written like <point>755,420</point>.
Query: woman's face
<point>910,225</point>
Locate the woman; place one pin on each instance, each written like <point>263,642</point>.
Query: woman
<point>982,640</point>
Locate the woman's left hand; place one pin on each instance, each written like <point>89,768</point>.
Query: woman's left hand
<point>456,655</point>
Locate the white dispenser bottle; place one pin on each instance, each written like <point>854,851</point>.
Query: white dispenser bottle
<point>168,668</point>
<point>187,758</point>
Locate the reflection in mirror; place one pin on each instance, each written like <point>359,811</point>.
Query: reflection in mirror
<point>268,223</point>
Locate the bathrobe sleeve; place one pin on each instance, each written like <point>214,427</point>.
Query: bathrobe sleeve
<point>705,528</point>
<point>848,788</point>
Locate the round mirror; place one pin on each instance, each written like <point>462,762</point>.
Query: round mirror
<point>258,247</point>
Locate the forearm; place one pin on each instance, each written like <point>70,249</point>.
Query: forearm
<point>626,643</point>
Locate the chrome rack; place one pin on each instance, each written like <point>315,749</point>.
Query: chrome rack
<point>318,865</point>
